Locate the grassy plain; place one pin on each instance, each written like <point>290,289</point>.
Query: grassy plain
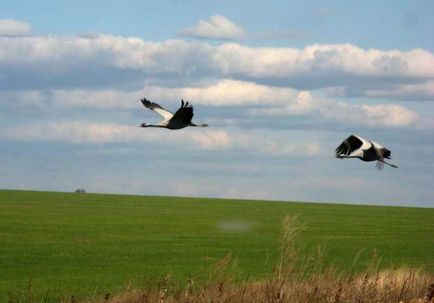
<point>84,244</point>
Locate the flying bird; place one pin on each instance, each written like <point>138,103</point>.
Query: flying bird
<point>182,117</point>
<point>366,150</point>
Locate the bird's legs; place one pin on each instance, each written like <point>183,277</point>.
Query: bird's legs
<point>390,164</point>
<point>380,164</point>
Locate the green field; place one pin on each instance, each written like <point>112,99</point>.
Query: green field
<point>85,244</point>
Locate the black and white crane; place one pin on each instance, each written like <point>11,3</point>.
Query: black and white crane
<point>181,118</point>
<point>366,150</point>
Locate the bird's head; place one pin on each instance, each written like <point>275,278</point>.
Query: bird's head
<point>144,125</point>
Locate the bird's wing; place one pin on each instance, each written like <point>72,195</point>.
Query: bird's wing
<point>366,144</point>
<point>377,145</point>
<point>157,108</point>
<point>385,153</point>
<point>351,144</point>
<point>184,114</point>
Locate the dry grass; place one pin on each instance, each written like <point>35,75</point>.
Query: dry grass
<point>392,286</point>
<point>299,277</point>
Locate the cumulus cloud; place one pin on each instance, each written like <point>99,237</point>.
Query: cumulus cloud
<point>324,61</point>
<point>103,99</point>
<point>105,57</point>
<point>83,132</point>
<point>94,99</point>
<point>222,92</point>
<point>225,92</point>
<point>104,60</point>
<point>260,101</point>
<point>11,27</point>
<point>384,115</point>
<point>286,101</point>
<point>218,27</point>
<point>108,61</point>
<point>87,68</point>
<point>409,92</point>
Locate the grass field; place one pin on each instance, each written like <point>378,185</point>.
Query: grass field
<point>84,244</point>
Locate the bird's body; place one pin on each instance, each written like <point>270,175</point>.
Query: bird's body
<point>181,118</point>
<point>366,150</point>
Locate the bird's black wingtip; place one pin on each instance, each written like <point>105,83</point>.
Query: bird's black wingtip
<point>145,102</point>
<point>185,104</point>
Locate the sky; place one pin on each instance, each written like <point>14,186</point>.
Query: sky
<point>281,84</point>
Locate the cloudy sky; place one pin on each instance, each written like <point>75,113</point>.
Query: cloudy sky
<point>281,84</point>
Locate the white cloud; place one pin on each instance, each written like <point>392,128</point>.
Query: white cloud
<point>225,92</point>
<point>410,92</point>
<point>218,27</point>
<point>82,132</point>
<point>261,101</point>
<point>283,101</point>
<point>384,115</point>
<point>104,61</point>
<point>323,61</point>
<point>95,99</point>
<point>389,115</point>
<point>73,98</point>
<point>226,75</point>
<point>11,27</point>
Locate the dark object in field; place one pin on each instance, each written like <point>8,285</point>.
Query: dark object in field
<point>429,296</point>
<point>182,117</point>
<point>80,191</point>
<point>366,150</point>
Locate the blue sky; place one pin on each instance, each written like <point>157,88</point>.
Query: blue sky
<point>281,84</point>
<point>382,24</point>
